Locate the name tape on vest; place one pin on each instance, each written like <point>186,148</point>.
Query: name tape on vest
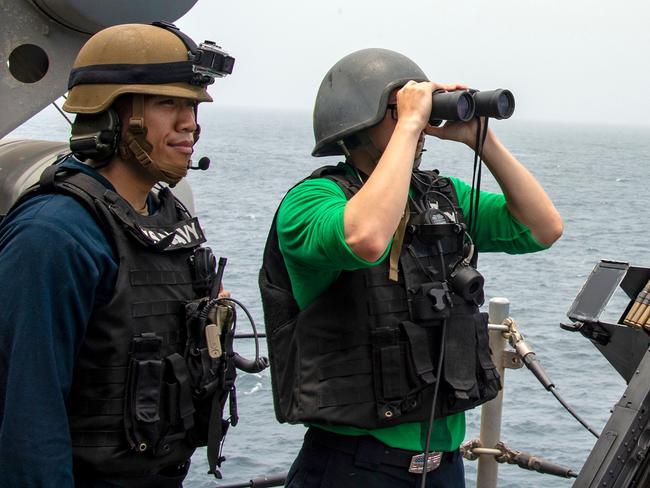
<point>187,233</point>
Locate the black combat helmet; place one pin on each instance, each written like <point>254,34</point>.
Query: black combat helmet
<point>354,95</point>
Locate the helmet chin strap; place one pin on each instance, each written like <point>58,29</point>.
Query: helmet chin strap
<point>368,145</point>
<point>418,160</point>
<point>135,147</point>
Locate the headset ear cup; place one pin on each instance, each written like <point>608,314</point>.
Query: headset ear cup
<point>96,136</point>
<point>113,135</point>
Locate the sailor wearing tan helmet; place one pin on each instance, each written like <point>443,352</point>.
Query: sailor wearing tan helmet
<point>94,386</point>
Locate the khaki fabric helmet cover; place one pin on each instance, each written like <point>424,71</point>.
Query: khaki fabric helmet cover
<point>129,44</point>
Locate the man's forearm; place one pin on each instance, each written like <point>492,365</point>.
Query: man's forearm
<point>526,199</point>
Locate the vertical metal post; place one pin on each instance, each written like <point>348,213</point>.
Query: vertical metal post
<point>486,476</point>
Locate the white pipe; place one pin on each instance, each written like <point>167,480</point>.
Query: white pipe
<point>486,476</point>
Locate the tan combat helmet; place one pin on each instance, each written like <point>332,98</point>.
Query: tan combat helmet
<point>142,59</point>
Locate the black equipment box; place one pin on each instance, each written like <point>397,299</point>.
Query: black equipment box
<point>619,458</point>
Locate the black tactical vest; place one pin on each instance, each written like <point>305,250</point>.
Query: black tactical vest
<point>365,352</point>
<point>145,392</point>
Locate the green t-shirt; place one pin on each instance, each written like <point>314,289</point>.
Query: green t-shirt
<point>312,241</point>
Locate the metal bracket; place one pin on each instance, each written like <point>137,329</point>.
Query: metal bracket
<point>512,360</point>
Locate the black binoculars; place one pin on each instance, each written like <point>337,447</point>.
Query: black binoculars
<point>463,105</point>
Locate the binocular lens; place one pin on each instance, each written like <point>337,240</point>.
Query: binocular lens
<point>503,104</point>
<point>464,109</point>
<point>498,104</point>
<point>457,105</point>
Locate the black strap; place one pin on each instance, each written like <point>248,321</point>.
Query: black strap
<point>187,40</point>
<point>95,376</point>
<point>133,74</point>
<point>375,276</point>
<point>420,352</point>
<point>88,184</point>
<point>346,182</point>
<point>108,438</point>
<point>215,430</point>
<point>139,277</point>
<point>345,368</point>
<point>45,184</point>
<point>185,405</point>
<point>161,307</point>
<point>346,341</point>
<point>345,396</point>
<point>96,406</point>
<point>232,401</point>
<point>46,181</point>
<point>388,306</point>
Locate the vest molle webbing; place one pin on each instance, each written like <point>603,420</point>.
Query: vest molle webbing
<point>364,353</point>
<point>141,401</point>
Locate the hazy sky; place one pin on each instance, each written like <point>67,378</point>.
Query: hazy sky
<point>573,60</point>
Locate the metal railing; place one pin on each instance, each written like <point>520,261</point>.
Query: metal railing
<point>491,412</point>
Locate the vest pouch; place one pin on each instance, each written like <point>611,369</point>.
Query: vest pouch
<point>470,376</point>
<point>461,357</point>
<point>402,359</point>
<point>205,367</point>
<point>143,394</point>
<point>177,408</point>
<point>420,353</point>
<point>416,371</point>
<point>489,379</point>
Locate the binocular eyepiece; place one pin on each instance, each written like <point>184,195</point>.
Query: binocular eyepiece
<point>463,105</point>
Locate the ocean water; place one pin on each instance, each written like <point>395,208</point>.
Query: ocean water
<point>597,177</point>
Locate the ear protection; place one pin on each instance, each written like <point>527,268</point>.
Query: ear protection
<point>95,136</point>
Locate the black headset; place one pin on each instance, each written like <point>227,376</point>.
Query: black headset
<point>95,136</point>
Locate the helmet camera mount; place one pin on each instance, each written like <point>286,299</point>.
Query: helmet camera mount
<point>208,61</point>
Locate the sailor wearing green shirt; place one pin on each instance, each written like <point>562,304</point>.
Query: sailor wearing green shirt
<point>367,325</point>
